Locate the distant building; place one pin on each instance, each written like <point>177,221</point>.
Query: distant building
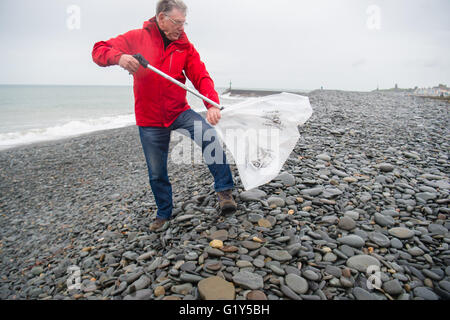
<point>438,91</point>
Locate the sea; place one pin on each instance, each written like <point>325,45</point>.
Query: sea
<point>37,113</point>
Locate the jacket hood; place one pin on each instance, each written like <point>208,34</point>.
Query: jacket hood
<point>152,26</point>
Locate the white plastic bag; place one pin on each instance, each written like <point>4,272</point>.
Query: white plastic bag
<point>261,133</point>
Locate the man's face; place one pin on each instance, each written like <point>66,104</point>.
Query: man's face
<point>172,23</point>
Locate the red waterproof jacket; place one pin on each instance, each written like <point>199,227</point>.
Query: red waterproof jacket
<point>158,102</point>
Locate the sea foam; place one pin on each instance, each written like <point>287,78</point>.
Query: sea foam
<point>69,129</point>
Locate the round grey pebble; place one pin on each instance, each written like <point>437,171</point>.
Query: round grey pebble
<point>298,284</point>
<point>396,243</point>
<point>248,280</point>
<point>347,223</point>
<point>259,263</point>
<point>380,239</point>
<point>393,287</point>
<point>311,275</point>
<point>362,262</point>
<point>329,257</point>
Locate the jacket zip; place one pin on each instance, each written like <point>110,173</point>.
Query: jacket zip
<point>171,55</point>
<point>170,65</point>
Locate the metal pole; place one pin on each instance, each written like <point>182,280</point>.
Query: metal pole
<point>162,74</point>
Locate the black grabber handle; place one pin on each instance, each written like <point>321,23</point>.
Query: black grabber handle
<point>141,60</point>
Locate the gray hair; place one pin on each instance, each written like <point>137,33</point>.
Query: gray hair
<point>167,6</point>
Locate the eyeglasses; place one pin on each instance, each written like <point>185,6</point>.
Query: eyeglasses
<point>177,23</point>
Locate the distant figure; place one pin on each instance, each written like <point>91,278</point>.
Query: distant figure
<point>321,88</point>
<point>161,106</point>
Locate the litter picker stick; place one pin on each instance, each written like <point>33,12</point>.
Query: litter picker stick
<point>145,64</point>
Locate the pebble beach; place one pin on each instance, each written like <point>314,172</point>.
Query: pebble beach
<point>360,211</point>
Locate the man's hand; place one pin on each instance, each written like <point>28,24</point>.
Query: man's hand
<point>213,115</point>
<point>129,63</point>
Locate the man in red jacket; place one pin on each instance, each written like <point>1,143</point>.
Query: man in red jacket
<point>161,106</point>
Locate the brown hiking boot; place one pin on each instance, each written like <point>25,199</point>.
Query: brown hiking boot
<point>158,224</point>
<point>226,202</point>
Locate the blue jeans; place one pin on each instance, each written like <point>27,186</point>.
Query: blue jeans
<point>155,143</point>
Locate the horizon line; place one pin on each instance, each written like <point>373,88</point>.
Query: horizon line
<point>224,87</point>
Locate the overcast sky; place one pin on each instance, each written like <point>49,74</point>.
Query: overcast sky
<point>282,44</point>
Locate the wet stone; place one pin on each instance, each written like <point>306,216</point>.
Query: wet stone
<point>216,288</point>
<point>251,245</point>
<point>384,220</point>
<point>290,269</point>
<point>259,263</point>
<point>130,255</point>
<point>219,235</point>
<point>188,266</point>
<point>144,294</point>
<point>287,179</point>
<point>361,294</point>
<point>244,264</point>
<point>425,293</point>
<point>347,250</point>
<point>279,255</point>
<point>362,262</point>
<point>333,270</point>
<point>352,240</point>
<point>264,223</point>
<point>380,239</point>
<point>396,243</point>
<point>393,287</point>
<point>386,167</point>
<point>346,223</point>
<point>252,195</point>
<point>298,284</point>
<point>311,275</point>
<point>214,252</point>
<point>415,251</point>
<point>312,192</point>
<point>213,265</point>
<point>401,232</point>
<point>191,256</point>
<point>324,157</point>
<point>288,292</point>
<point>437,229</point>
<point>229,249</point>
<point>256,295</point>
<point>432,275</point>
<point>329,257</point>
<point>277,270</point>
<point>183,289</point>
<point>276,201</point>
<point>188,277</point>
<point>248,280</point>
<point>254,217</point>
<point>352,214</point>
